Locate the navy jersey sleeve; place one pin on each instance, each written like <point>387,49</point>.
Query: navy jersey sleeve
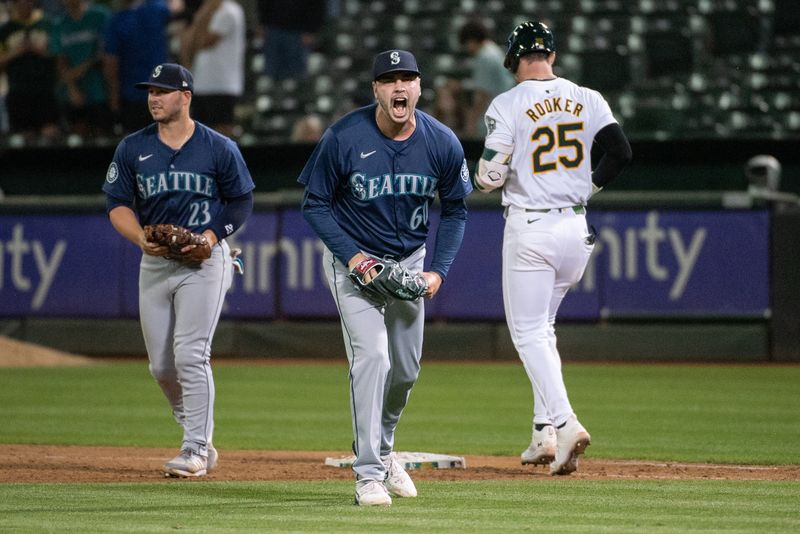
<point>449,235</point>
<point>236,186</point>
<point>320,176</point>
<point>120,183</point>
<point>321,173</point>
<point>453,189</point>
<point>234,177</point>
<point>456,181</point>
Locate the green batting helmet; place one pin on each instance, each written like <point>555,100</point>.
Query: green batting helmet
<point>531,36</point>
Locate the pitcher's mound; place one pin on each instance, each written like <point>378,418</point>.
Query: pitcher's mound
<point>15,353</point>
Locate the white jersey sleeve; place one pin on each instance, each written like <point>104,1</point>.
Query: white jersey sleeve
<point>551,124</point>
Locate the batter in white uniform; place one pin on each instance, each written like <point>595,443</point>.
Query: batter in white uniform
<point>538,150</point>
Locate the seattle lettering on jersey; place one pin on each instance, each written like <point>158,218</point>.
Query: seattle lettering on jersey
<point>367,188</point>
<point>176,181</point>
<point>551,105</point>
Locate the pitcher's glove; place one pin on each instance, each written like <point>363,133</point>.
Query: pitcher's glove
<point>392,280</point>
<point>176,238</point>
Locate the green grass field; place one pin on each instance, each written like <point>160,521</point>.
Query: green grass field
<point>686,413</point>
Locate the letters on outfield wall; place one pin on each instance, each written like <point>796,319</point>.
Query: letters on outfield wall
<point>647,263</point>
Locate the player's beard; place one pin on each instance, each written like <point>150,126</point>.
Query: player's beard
<point>166,108</point>
<point>163,115</point>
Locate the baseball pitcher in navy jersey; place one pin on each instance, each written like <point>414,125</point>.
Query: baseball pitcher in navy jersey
<point>369,186</point>
<point>538,151</point>
<point>178,171</point>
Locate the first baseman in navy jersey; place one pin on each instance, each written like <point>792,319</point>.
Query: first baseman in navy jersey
<point>369,186</point>
<point>178,171</point>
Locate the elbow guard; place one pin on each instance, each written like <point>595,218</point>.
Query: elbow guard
<point>492,170</point>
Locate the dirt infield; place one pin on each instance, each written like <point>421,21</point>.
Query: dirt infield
<point>15,353</point>
<point>49,463</point>
<point>55,463</point>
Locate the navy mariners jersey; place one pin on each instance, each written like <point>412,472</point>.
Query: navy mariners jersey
<point>188,187</point>
<point>379,189</point>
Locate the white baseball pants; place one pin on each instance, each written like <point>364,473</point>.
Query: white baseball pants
<point>544,254</point>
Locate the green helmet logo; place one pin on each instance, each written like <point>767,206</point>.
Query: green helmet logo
<point>531,36</point>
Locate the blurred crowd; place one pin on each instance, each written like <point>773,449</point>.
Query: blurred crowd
<point>68,67</point>
<point>283,70</point>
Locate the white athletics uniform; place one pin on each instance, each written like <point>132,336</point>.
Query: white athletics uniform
<point>550,125</point>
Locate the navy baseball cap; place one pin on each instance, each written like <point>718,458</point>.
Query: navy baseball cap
<point>169,76</point>
<point>394,61</point>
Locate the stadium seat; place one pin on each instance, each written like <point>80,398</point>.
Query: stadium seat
<point>734,31</point>
<point>605,70</point>
<point>786,18</point>
<point>669,49</point>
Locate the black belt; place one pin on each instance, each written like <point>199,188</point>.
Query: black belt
<point>579,209</point>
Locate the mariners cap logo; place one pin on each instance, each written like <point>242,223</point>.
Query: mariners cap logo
<point>394,61</point>
<point>169,76</point>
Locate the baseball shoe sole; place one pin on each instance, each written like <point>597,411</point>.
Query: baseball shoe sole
<point>572,441</point>
<point>571,464</point>
<point>542,450</point>
<point>538,457</point>
<point>187,464</point>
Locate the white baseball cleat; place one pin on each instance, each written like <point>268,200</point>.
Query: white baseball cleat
<point>572,441</point>
<point>372,493</point>
<point>187,464</point>
<point>397,481</point>
<point>213,458</point>
<point>542,449</point>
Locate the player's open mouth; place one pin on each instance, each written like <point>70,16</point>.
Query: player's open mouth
<point>399,105</point>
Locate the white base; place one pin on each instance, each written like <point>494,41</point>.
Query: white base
<point>411,460</point>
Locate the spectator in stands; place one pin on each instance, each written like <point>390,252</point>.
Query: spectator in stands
<point>30,71</point>
<point>214,44</point>
<point>488,79</point>
<point>77,44</point>
<point>193,23</point>
<point>450,104</point>
<point>52,8</point>
<point>290,33</point>
<point>308,129</point>
<point>136,41</point>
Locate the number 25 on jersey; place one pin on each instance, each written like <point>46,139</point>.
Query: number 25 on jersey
<point>570,150</point>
